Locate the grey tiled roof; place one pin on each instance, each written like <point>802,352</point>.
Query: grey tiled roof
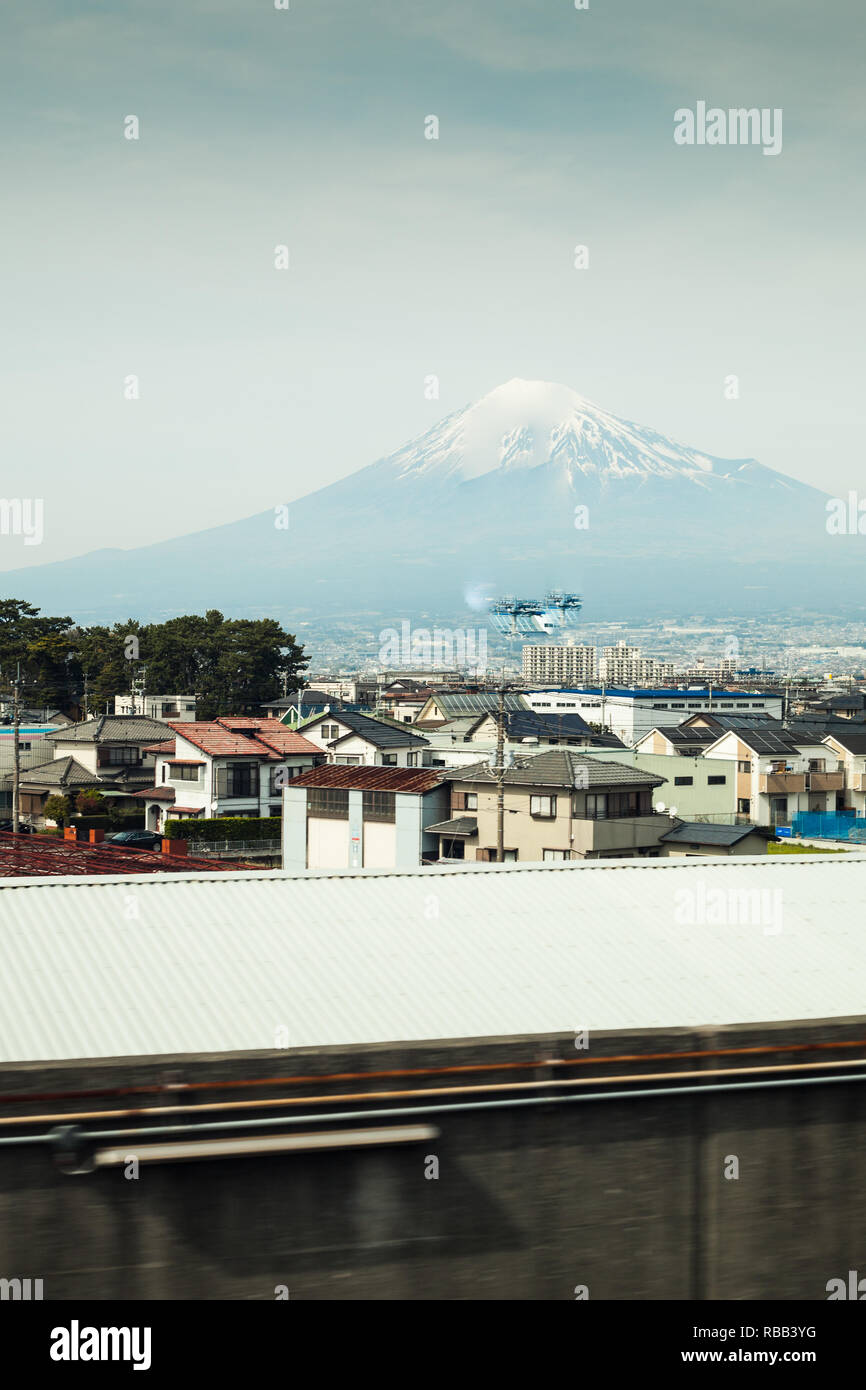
<point>110,728</point>
<point>59,772</point>
<point>558,767</point>
<point>462,827</point>
<point>374,731</point>
<point>698,833</point>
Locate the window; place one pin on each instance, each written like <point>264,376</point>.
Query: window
<point>169,710</point>
<point>816,764</point>
<point>727,704</point>
<point>411,759</point>
<point>554,855</point>
<point>389,759</point>
<point>281,775</point>
<point>180,773</point>
<point>330,731</point>
<point>470,801</point>
<point>744,766</point>
<point>331,802</point>
<point>509,856</point>
<point>237,779</point>
<point>544,806</point>
<point>744,806</point>
<point>716,781</point>
<point>677,706</point>
<point>113,757</point>
<point>348,762</point>
<point>683,781</point>
<point>596,806</point>
<point>379,806</point>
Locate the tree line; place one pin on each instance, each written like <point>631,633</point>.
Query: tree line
<point>231,665</point>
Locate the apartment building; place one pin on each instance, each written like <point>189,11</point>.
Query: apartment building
<point>625,665</point>
<point>570,664</point>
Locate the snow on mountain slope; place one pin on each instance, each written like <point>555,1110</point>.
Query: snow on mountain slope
<point>526,424</point>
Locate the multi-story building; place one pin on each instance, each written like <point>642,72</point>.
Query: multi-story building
<point>570,664</point>
<point>625,665</point>
<point>109,754</point>
<point>631,712</point>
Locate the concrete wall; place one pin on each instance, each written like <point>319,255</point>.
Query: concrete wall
<point>626,1196</point>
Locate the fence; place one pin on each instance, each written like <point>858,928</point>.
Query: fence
<point>816,825</point>
<point>200,849</point>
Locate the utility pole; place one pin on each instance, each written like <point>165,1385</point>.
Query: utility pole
<point>500,779</point>
<point>16,752</point>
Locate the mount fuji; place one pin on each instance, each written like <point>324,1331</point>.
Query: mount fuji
<point>531,488</point>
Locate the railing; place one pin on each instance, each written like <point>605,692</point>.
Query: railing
<point>199,849</point>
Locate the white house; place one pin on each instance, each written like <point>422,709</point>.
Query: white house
<point>781,773</point>
<point>224,767</point>
<point>356,740</point>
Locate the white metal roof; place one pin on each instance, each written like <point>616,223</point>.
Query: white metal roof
<point>137,966</point>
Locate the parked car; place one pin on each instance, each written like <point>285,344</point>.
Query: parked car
<point>134,839</point>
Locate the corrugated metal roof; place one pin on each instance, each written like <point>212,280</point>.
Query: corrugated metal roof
<point>141,966</point>
<point>386,779</point>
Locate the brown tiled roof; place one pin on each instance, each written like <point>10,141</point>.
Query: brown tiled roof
<point>167,747</point>
<point>383,779</point>
<point>218,741</point>
<point>155,794</point>
<point>268,738</point>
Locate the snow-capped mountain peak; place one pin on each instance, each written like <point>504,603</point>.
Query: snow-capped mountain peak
<point>527,424</point>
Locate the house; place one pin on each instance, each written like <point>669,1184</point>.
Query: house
<point>110,754</point>
<point>156,706</point>
<point>357,740</point>
<point>676,740</point>
<point>363,816</point>
<point>440,709</point>
<point>232,766</point>
<point>781,770</point>
<point>557,805</point>
<point>850,750</point>
<point>403,700</point>
<point>693,839</point>
<point>305,704</point>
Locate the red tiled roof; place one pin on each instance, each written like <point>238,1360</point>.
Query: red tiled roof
<point>218,741</point>
<point>190,810</point>
<point>155,794</point>
<point>270,740</point>
<point>383,779</point>
<point>284,740</point>
<point>167,747</point>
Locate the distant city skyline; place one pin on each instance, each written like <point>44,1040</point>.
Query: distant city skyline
<point>409,257</point>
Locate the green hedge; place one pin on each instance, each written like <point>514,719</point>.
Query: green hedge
<point>225,828</point>
<point>91,822</point>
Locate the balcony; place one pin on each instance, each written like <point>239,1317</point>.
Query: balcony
<point>825,781</point>
<point>783,783</point>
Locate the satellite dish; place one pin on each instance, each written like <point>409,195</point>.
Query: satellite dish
<point>660,806</point>
<point>673,810</point>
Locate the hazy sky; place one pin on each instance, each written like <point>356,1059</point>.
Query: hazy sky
<point>409,256</point>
